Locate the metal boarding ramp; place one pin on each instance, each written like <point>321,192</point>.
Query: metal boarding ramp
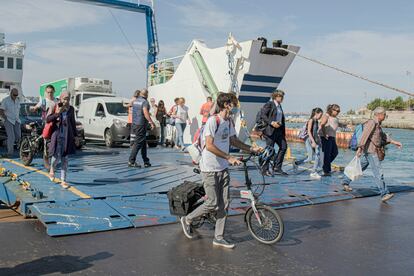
<point>107,195</point>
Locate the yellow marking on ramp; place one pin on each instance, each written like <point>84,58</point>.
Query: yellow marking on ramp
<point>71,188</point>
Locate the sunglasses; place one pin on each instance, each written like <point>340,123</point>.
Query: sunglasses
<point>15,95</point>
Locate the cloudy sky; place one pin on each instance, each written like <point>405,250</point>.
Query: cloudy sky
<point>372,38</point>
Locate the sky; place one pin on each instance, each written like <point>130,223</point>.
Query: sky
<point>371,38</point>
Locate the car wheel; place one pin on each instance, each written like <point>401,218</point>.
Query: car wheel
<point>109,140</point>
<point>79,142</point>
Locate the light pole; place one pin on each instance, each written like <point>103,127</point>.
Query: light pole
<point>408,73</point>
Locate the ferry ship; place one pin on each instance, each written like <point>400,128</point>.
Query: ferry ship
<point>11,66</point>
<point>250,69</point>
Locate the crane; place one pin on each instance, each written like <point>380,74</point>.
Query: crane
<point>148,10</point>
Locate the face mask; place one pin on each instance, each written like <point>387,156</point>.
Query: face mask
<point>234,110</point>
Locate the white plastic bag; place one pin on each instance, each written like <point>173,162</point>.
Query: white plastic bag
<point>353,170</point>
<point>194,152</point>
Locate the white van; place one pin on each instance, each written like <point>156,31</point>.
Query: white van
<point>105,119</point>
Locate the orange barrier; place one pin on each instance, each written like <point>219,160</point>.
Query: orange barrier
<point>342,138</point>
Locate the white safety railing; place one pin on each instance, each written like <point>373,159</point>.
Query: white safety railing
<point>162,71</point>
<point>13,49</point>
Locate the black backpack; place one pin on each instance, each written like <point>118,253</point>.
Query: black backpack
<point>183,198</point>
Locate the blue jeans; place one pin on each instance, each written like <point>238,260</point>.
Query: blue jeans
<point>314,154</point>
<point>58,156</point>
<point>372,159</point>
<point>180,133</point>
<point>309,150</point>
<point>162,135</point>
<point>317,158</point>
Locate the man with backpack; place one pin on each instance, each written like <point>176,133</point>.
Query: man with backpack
<point>47,105</point>
<point>274,132</point>
<point>218,134</point>
<point>370,149</point>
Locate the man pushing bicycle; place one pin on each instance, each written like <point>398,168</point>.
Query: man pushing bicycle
<point>218,134</point>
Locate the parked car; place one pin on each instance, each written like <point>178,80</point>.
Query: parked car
<point>27,116</point>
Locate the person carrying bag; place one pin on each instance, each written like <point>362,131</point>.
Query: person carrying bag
<point>371,151</point>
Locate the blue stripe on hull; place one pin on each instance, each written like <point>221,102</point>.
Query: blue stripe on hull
<point>261,78</point>
<point>256,88</point>
<point>253,99</point>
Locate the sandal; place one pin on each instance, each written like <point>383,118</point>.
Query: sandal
<point>64,185</point>
<point>52,177</point>
<point>347,188</point>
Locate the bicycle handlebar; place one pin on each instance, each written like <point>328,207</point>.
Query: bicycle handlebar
<point>247,159</point>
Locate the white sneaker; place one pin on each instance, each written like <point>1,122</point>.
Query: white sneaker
<point>315,175</point>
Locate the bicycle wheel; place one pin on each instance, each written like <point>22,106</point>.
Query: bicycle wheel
<point>26,153</point>
<point>270,230</point>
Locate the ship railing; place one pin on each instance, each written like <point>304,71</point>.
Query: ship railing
<point>163,70</point>
<point>12,49</point>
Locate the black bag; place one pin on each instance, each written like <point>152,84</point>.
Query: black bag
<point>261,125</point>
<point>183,198</point>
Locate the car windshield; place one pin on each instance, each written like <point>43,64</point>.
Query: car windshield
<point>25,111</point>
<point>117,109</point>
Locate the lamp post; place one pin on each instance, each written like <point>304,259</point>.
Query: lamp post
<point>408,73</point>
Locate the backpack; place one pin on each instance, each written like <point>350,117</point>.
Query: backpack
<point>184,197</point>
<point>303,133</point>
<point>356,137</point>
<point>170,120</point>
<point>198,146</point>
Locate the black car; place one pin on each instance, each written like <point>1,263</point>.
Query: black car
<point>27,116</point>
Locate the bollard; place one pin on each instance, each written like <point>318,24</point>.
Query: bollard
<point>288,153</point>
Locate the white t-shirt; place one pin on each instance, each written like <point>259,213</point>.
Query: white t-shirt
<point>47,105</point>
<point>210,162</point>
<point>11,109</point>
<point>182,113</point>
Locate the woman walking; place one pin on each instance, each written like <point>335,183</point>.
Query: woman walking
<point>161,116</point>
<point>327,132</point>
<point>181,120</point>
<point>313,141</point>
<point>62,142</point>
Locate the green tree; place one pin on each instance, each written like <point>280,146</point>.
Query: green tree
<point>398,103</point>
<point>374,104</point>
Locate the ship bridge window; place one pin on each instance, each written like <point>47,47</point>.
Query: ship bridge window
<point>10,63</point>
<point>19,64</point>
<point>1,62</point>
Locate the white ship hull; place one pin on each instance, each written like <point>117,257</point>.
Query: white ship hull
<point>255,77</point>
